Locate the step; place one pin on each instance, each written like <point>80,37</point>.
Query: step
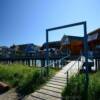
<point>33,98</point>
<point>49,92</point>
<point>54,86</point>
<point>57,83</point>
<point>52,89</point>
<point>44,96</point>
<point>57,80</point>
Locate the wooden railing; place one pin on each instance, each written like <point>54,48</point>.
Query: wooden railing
<point>59,62</point>
<point>74,68</point>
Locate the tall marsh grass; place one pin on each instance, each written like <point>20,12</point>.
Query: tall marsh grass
<point>75,90</point>
<point>24,78</point>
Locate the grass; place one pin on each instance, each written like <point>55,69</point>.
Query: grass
<point>75,89</point>
<point>25,79</point>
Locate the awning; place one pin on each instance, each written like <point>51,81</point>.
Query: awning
<point>92,37</point>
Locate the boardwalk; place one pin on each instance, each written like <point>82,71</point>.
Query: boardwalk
<point>53,88</point>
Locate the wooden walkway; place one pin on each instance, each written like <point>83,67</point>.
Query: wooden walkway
<point>53,88</point>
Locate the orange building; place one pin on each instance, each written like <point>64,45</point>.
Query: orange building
<point>72,44</point>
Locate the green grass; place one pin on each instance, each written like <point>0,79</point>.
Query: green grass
<point>25,79</point>
<point>75,89</point>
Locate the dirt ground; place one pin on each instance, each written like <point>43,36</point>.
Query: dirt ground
<point>10,95</point>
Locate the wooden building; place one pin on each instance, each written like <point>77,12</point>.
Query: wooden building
<point>94,39</point>
<point>4,51</point>
<point>75,46</point>
<point>94,45</point>
<point>68,45</point>
<point>71,44</point>
<point>24,49</point>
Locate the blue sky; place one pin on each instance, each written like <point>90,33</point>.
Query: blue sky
<point>25,21</point>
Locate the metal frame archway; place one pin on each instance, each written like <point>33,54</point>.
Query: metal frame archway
<point>84,24</point>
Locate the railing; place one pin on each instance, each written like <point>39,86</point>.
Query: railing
<point>59,62</point>
<point>74,68</point>
<point>36,56</point>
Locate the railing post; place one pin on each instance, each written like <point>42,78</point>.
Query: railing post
<point>47,52</point>
<point>67,78</point>
<point>78,65</point>
<point>61,63</point>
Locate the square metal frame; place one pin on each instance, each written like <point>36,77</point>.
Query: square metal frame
<point>84,24</point>
<point>67,26</point>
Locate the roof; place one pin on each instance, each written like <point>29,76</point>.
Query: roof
<point>65,40</point>
<point>71,38</point>
<point>52,44</point>
<point>3,47</point>
<point>94,31</point>
<point>24,45</point>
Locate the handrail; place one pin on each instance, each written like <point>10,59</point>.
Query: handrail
<point>73,64</point>
<point>43,68</point>
<point>67,72</point>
